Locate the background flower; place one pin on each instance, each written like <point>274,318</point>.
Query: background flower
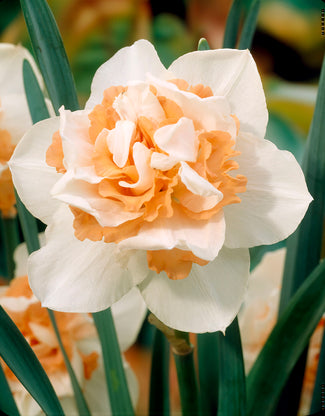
<point>158,163</point>
<point>259,315</point>
<point>80,340</point>
<point>14,115</point>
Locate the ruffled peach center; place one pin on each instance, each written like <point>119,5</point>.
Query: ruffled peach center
<point>147,181</point>
<point>7,194</point>
<point>34,323</point>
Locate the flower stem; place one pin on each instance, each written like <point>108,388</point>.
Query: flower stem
<point>187,381</point>
<point>184,359</point>
<point>159,379</point>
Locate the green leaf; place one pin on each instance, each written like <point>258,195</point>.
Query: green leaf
<point>285,344</point>
<point>38,111</point>
<point>34,95</point>
<point>232,25</point>
<point>207,350</point>
<point>159,378</point>
<point>247,34</point>
<point>7,403</point>
<point>203,45</point>
<point>11,241</point>
<point>50,53</point>
<point>304,246</point>
<point>20,358</point>
<point>115,376</point>
<point>232,388</point>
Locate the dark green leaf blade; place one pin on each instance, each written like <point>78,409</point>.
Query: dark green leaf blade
<point>50,53</point>
<point>207,351</point>
<point>285,344</point>
<point>21,359</point>
<point>232,25</point>
<point>159,378</point>
<point>7,403</point>
<point>115,376</point>
<point>232,386</point>
<point>11,241</point>
<point>247,34</point>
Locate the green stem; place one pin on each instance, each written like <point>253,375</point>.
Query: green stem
<point>159,379</point>
<point>187,381</point>
<point>11,241</point>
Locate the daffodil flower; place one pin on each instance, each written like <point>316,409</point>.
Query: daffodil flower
<point>14,115</point>
<point>79,338</point>
<point>163,182</point>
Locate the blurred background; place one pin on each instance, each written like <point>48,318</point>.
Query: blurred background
<point>288,47</point>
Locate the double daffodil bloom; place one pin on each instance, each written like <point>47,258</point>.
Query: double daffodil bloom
<point>162,182</point>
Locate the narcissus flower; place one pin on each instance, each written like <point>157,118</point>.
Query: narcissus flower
<point>163,182</point>
<point>14,116</point>
<point>80,340</point>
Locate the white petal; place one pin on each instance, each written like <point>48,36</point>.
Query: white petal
<point>84,195</point>
<point>32,177</point>
<point>198,185</point>
<point>213,113</point>
<point>178,140</point>
<point>276,198</point>
<point>230,73</point>
<point>128,64</point>
<point>14,116</point>
<point>74,131</point>
<point>205,301</point>
<point>21,256</point>
<point>96,391</point>
<point>162,162</point>
<point>118,141</point>
<point>17,304</point>
<point>141,157</point>
<point>203,238</point>
<point>138,101</point>
<point>11,69</point>
<point>77,276</point>
<point>129,314</point>
<point>44,334</point>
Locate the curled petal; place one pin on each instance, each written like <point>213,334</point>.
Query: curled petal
<point>118,141</point>
<point>178,140</point>
<point>203,238</point>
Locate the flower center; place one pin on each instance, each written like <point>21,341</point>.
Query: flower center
<point>155,155</point>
